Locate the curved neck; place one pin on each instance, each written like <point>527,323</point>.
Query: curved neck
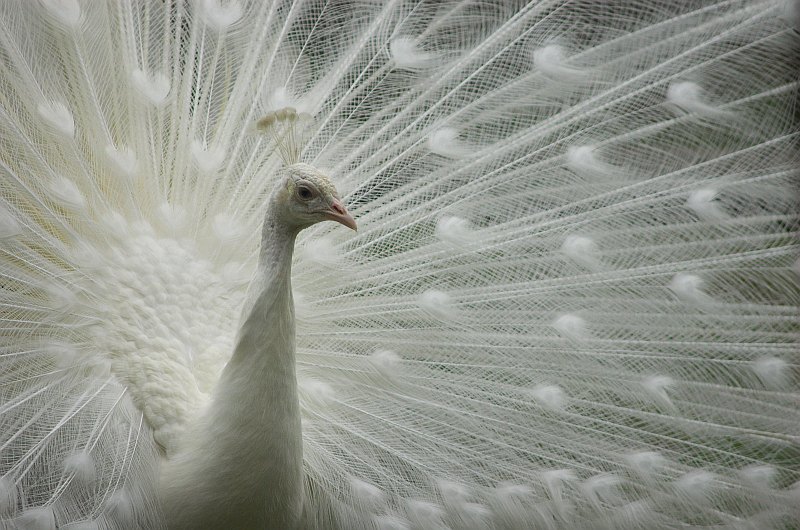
<point>244,468</point>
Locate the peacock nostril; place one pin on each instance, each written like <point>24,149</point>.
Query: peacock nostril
<point>338,208</point>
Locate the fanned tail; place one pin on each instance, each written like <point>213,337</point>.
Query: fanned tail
<point>571,303</point>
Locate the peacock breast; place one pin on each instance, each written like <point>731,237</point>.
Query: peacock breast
<point>165,321</point>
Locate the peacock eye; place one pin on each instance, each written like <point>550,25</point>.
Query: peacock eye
<point>305,193</point>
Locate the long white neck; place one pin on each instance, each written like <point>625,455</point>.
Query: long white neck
<point>242,464</point>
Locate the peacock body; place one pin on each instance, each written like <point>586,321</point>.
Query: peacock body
<point>571,301</point>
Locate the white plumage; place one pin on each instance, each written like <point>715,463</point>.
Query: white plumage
<point>571,302</point>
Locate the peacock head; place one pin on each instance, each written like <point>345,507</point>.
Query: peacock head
<point>305,194</point>
<point>308,197</point>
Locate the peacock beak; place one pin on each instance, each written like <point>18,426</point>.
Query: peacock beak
<point>339,213</point>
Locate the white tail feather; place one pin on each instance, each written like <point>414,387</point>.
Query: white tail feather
<point>571,301</point>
